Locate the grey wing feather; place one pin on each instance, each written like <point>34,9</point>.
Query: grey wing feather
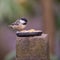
<point>16,22</point>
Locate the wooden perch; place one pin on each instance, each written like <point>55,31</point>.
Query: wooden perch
<point>32,48</point>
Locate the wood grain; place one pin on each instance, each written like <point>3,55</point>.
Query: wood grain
<point>32,48</point>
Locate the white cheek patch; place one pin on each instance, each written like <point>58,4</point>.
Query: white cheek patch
<point>21,21</point>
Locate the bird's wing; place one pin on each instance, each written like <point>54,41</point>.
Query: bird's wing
<point>16,22</point>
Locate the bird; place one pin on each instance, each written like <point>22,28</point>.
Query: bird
<point>19,24</point>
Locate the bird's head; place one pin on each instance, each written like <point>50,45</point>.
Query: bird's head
<point>19,24</point>
<point>23,21</point>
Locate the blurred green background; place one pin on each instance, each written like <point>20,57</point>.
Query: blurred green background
<point>10,10</point>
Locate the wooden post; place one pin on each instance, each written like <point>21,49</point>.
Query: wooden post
<point>48,21</point>
<point>32,48</point>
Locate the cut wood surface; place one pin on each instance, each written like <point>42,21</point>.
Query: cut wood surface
<point>32,48</point>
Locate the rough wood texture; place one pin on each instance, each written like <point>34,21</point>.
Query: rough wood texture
<point>32,48</point>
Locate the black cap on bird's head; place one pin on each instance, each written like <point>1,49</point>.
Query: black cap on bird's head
<point>23,21</point>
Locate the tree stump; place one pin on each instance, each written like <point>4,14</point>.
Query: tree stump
<point>32,48</point>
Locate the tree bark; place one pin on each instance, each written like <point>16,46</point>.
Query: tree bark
<point>48,21</point>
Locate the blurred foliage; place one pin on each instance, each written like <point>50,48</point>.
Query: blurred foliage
<point>58,1</point>
<point>58,21</point>
<point>58,14</point>
<point>10,10</point>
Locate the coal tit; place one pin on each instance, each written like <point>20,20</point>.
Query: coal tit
<point>19,24</point>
